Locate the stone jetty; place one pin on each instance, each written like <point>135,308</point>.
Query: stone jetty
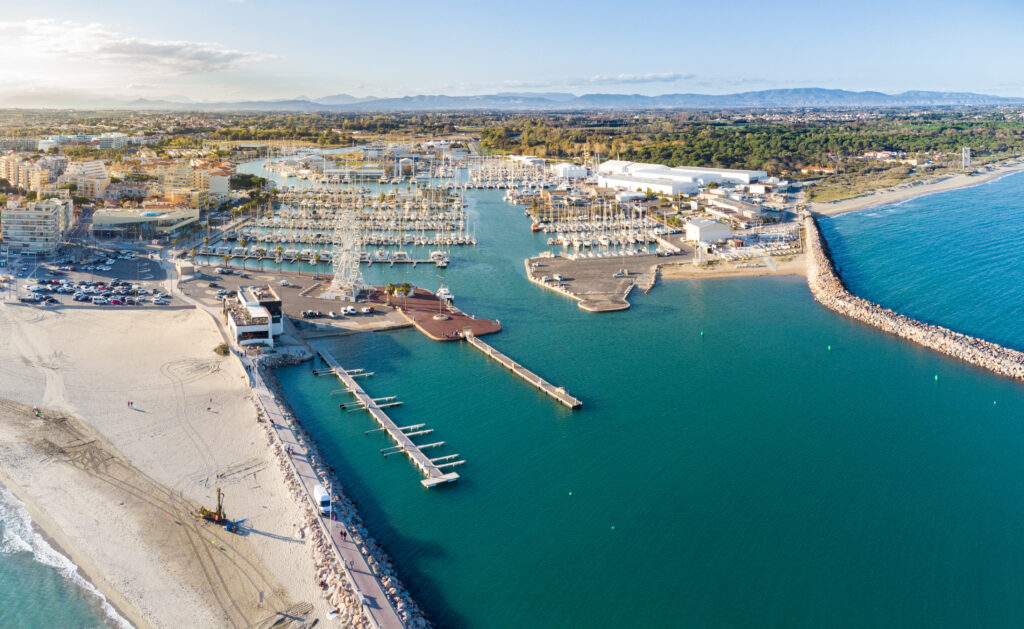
<point>829,290</point>
<point>337,582</point>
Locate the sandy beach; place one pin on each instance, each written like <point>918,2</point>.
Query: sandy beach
<point>116,486</point>
<point>789,265</point>
<point>889,196</point>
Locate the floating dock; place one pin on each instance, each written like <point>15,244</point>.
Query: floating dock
<point>434,474</point>
<point>559,393</point>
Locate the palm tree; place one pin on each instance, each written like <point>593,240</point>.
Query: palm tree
<point>192,252</point>
<point>405,288</point>
<point>389,290</point>
<point>280,251</point>
<point>316,262</point>
<point>226,258</point>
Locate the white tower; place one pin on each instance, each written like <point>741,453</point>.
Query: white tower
<point>965,158</point>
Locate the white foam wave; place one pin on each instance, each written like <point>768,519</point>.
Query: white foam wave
<point>17,535</point>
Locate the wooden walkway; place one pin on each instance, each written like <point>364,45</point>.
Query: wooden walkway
<point>559,393</point>
<point>434,474</point>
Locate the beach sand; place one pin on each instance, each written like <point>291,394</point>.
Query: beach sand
<point>788,265</point>
<point>890,196</point>
<point>116,487</point>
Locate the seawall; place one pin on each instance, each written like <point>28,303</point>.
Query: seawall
<point>830,291</point>
<point>339,585</point>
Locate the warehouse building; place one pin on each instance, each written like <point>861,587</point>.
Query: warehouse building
<point>623,175</point>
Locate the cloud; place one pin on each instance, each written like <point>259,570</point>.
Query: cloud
<point>76,42</point>
<point>181,57</point>
<point>628,79</point>
<point>568,83</point>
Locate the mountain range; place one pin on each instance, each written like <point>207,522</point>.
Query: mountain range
<point>557,101</point>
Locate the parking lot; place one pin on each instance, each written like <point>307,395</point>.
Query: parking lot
<point>292,302</point>
<point>101,277</point>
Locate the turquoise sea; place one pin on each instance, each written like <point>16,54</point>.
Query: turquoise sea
<point>952,258</point>
<point>39,587</point>
<point>744,477</point>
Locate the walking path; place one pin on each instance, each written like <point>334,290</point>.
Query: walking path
<point>377,607</point>
<point>364,582</point>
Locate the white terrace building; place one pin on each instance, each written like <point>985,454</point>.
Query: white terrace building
<point>255,316</point>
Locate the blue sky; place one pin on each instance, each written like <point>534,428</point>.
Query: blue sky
<point>236,49</point>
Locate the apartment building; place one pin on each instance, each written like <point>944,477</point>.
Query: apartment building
<point>35,227</point>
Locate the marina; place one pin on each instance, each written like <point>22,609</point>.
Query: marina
<point>433,471</point>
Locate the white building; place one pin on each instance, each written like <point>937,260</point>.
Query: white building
<point>527,160</point>
<point>706,230</point>
<point>37,227</point>
<point>90,178</point>
<point>255,316</point>
<point>623,175</point>
<point>566,170</point>
<point>220,184</point>
<point>112,140</point>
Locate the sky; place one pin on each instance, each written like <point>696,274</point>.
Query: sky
<point>58,51</point>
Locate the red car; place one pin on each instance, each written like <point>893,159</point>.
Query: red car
<point>116,302</point>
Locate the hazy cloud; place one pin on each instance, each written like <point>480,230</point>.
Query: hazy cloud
<point>626,79</point>
<point>95,43</point>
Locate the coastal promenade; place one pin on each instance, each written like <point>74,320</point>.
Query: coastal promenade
<point>369,591</point>
<point>363,598</point>
<point>434,474</point>
<point>829,290</point>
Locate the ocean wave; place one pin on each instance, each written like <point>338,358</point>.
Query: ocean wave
<point>18,535</point>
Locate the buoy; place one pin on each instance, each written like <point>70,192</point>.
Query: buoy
<point>830,348</point>
<point>994,402</point>
<point>936,377</point>
<point>702,335</point>
<point>570,493</point>
<point>613,527</point>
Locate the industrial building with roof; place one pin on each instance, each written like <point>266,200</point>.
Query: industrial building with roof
<point>661,179</point>
<point>706,230</point>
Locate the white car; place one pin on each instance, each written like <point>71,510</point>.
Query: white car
<point>285,283</point>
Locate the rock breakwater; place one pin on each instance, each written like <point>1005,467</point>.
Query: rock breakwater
<point>828,289</point>
<point>338,588</point>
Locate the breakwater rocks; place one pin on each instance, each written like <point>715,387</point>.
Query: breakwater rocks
<point>828,289</point>
<point>331,572</point>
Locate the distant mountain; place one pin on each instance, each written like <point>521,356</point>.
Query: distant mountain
<point>341,99</point>
<point>558,101</point>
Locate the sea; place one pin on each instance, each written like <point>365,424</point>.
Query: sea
<point>743,457</point>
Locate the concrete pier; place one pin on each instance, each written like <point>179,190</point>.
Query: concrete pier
<point>434,475</point>
<point>559,393</point>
